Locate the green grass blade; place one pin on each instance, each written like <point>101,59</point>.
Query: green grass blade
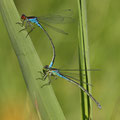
<point>86,105</point>
<point>44,98</point>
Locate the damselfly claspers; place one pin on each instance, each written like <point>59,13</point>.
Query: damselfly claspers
<point>56,72</point>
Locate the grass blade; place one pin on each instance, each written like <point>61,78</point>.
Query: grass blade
<point>86,106</point>
<point>43,99</point>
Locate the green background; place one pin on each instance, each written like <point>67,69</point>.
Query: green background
<point>103,32</point>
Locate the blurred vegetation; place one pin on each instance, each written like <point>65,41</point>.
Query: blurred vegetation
<point>103,32</point>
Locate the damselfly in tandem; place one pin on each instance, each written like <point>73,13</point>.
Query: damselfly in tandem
<point>59,73</point>
<point>31,21</point>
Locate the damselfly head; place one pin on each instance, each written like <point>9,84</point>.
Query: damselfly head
<point>46,67</point>
<point>23,17</point>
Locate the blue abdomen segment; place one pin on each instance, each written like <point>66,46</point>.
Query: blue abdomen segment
<point>61,75</point>
<point>51,64</point>
<point>34,20</point>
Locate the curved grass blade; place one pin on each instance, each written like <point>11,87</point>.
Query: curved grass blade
<point>30,63</point>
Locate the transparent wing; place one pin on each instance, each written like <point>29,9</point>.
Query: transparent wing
<point>74,74</point>
<point>64,16</point>
<point>54,28</point>
<point>79,70</point>
<point>56,19</point>
<point>75,77</point>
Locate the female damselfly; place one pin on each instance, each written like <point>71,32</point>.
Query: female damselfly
<point>56,72</point>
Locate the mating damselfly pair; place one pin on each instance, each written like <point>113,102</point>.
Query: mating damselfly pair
<point>48,70</point>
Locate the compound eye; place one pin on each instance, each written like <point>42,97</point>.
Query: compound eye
<point>46,67</point>
<point>23,17</point>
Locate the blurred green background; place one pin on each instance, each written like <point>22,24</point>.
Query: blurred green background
<point>104,46</point>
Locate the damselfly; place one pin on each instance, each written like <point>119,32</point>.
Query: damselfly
<point>39,21</point>
<point>56,72</point>
<point>33,19</point>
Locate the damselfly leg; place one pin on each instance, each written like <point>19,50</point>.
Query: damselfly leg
<point>45,75</point>
<point>42,74</point>
<point>27,24</point>
<point>48,83</point>
<point>20,23</point>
